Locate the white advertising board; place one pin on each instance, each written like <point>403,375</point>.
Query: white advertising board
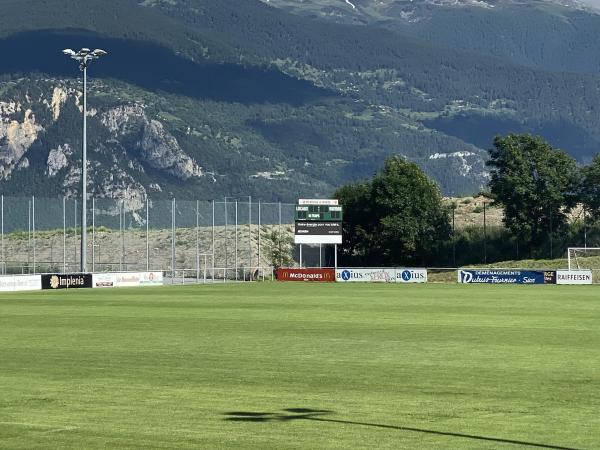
<point>312,240</point>
<point>573,277</point>
<point>365,275</point>
<point>103,280</point>
<point>127,279</point>
<point>411,275</point>
<point>12,283</point>
<point>381,275</point>
<point>317,201</point>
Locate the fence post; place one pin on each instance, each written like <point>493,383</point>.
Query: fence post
<point>173,240</point>
<point>584,230</point>
<point>236,241</point>
<point>213,240</point>
<point>453,236</point>
<point>280,233</point>
<point>75,228</point>
<point>64,234</point>
<point>226,253</point>
<point>93,234</point>
<point>3,259</point>
<point>250,235</point>
<point>33,228</point>
<point>29,236</point>
<point>484,235</point>
<point>147,236</point>
<point>121,234</point>
<point>551,240</point>
<point>197,241</point>
<point>258,264</point>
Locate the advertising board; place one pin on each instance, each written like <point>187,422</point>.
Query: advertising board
<point>507,276</point>
<point>365,275</point>
<point>318,275</point>
<point>573,277</point>
<point>12,283</point>
<point>127,279</point>
<point>151,279</point>
<point>67,281</point>
<point>318,233</point>
<point>318,201</point>
<point>381,275</point>
<point>103,280</point>
<point>411,275</point>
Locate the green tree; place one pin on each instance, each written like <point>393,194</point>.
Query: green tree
<point>280,247</point>
<point>590,188</point>
<point>535,183</point>
<point>396,218</point>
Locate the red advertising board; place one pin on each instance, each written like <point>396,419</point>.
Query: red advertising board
<point>291,274</point>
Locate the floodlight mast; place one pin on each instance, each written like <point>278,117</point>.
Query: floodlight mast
<point>84,57</point>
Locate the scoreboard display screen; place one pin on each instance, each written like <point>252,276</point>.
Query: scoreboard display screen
<point>319,213</point>
<point>318,221</point>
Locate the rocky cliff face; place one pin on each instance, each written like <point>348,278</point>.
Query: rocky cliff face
<point>157,147</point>
<point>126,143</point>
<point>16,136</point>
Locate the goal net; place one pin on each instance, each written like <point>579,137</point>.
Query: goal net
<point>580,258</point>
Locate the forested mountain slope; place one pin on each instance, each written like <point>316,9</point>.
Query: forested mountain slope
<point>208,98</point>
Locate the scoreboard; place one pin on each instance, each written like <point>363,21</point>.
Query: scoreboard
<point>318,222</point>
<point>319,212</point>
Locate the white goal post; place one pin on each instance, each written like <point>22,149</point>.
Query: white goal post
<point>583,257</point>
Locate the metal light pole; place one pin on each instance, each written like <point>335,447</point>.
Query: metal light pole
<point>84,57</point>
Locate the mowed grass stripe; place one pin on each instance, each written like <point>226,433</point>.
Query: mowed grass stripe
<point>355,366</point>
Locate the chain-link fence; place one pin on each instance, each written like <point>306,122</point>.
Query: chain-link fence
<point>221,239</point>
<point>229,238</point>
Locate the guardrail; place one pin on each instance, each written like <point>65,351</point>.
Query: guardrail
<point>219,275</point>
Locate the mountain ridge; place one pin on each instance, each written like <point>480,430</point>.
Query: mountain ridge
<point>252,100</point>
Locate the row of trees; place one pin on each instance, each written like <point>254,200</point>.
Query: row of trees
<point>539,187</point>
<point>398,217</point>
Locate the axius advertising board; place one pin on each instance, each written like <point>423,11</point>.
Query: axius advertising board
<point>291,274</point>
<point>507,276</point>
<point>573,277</point>
<point>381,275</point>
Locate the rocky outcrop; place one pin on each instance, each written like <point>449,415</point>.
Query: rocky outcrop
<point>125,119</point>
<point>59,97</point>
<point>15,138</point>
<point>162,151</point>
<point>58,159</point>
<point>137,142</point>
<point>155,145</point>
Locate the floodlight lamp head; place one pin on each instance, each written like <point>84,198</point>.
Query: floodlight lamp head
<point>69,52</point>
<point>99,52</point>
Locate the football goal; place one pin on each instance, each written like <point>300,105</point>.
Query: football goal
<point>583,258</point>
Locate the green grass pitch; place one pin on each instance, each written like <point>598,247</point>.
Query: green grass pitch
<point>302,366</point>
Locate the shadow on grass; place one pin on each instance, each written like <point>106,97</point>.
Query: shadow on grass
<point>318,415</point>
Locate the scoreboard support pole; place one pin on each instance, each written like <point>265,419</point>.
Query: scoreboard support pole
<point>320,256</point>
<point>335,257</point>
<point>300,255</point>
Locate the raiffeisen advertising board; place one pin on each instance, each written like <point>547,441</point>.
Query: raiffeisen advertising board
<point>574,277</point>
